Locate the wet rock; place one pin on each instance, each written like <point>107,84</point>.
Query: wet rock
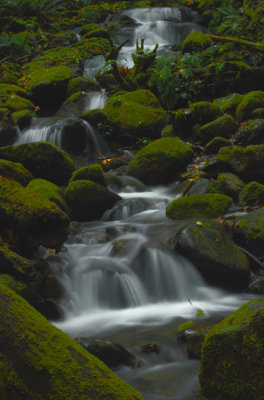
<point>80,84</point>
<point>230,184</point>
<point>256,286</point>
<point>214,253</point>
<point>215,145</point>
<point>92,173</point>
<point>73,136</point>
<point>224,126</point>
<point>250,133</point>
<point>150,348</point>
<point>251,101</point>
<point>16,171</point>
<point>232,356</point>
<point>228,104</point>
<point>112,354</point>
<point>8,132</point>
<point>201,186</point>
<point>251,194</point>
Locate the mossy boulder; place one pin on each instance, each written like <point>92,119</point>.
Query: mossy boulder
<point>228,104</point>
<point>201,186</point>
<point>88,200</point>
<point>224,126</point>
<point>80,84</point>
<point>215,145</point>
<point>257,286</point>
<point>92,173</point>
<point>250,133</point>
<point>209,205</point>
<point>196,41</point>
<point>251,194</point>
<point>203,112</point>
<point>250,102</point>
<point>40,361</point>
<point>47,86</point>
<point>97,118</point>
<point>248,231</point>
<point>29,220</point>
<point>135,114</point>
<point>218,258</point>
<point>94,30</point>
<point>160,161</point>
<point>246,162</point>
<point>232,359</point>
<point>15,171</point>
<point>42,159</point>
<point>230,184</point>
<point>168,131</point>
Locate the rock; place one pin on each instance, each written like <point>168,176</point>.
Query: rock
<point>29,220</point>
<point>257,286</point>
<point>258,113</point>
<point>246,162</point>
<point>228,104</point>
<point>168,131</point>
<point>161,161</point>
<point>201,186</point>
<point>134,115</point>
<point>250,102</point>
<point>112,354</point>
<point>215,145</point>
<point>218,258</point>
<point>42,159</point>
<point>196,41</point>
<point>230,184</point>
<point>97,118</point>
<point>73,135</point>
<point>224,126</point>
<point>248,231</point>
<point>250,133</point>
<point>88,200</point>
<point>209,205</point>
<point>203,112</point>
<point>92,173</point>
<point>16,171</point>
<point>93,30</point>
<point>40,361</point>
<point>252,194</point>
<point>8,132</point>
<point>232,360</point>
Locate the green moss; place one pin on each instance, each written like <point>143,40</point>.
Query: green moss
<point>80,84</point>
<point>203,112</point>
<point>15,171</point>
<point>207,205</point>
<point>196,41</point>
<point>168,131</point>
<point>250,102</point>
<point>232,355</point>
<point>94,30</point>
<point>185,325</point>
<point>230,184</point>
<point>92,173</point>
<point>215,145</point>
<point>229,104</point>
<point>15,116</point>
<point>160,161</point>
<point>46,76</point>
<point>252,194</point>
<point>12,283</point>
<point>15,265</point>
<point>224,126</point>
<point>59,368</point>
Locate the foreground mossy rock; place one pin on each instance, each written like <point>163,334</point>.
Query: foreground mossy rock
<point>249,231</point>
<point>228,104</point>
<point>230,184</point>
<point>15,171</point>
<point>47,85</point>
<point>28,220</point>
<point>209,205</point>
<point>14,98</point>
<point>161,161</point>
<point>38,361</point>
<point>218,258</point>
<point>88,200</point>
<point>215,145</point>
<point>196,41</point>
<point>252,194</point>
<point>224,126</point>
<point>135,114</point>
<point>250,102</point>
<point>250,133</point>
<point>232,360</point>
<point>92,173</point>
<point>246,162</point>
<point>42,159</point>
<point>203,112</point>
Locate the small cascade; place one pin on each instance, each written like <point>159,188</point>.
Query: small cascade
<point>93,65</point>
<point>42,130</point>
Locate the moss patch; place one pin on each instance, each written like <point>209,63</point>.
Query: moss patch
<point>196,41</point>
<point>92,173</point>
<point>15,171</point>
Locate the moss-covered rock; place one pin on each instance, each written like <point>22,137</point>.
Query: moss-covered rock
<point>233,356</point>
<point>88,200</point>
<point>230,184</point>
<point>196,41</point>
<point>246,162</point>
<point>250,133</point>
<point>201,186</point>
<point>97,118</point>
<point>250,102</point>
<point>215,145</point>
<point>228,104</point>
<point>203,112</point>
<point>218,258</point>
<point>160,161</point>
<point>16,171</point>
<point>168,131</point>
<point>209,205</point>
<point>94,30</point>
<point>224,126</point>
<point>80,84</point>
<point>29,220</point>
<point>257,286</point>
<point>135,114</point>
<point>58,367</point>
<point>92,173</point>
<point>251,194</point>
<point>42,159</point>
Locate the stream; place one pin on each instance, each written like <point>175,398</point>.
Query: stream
<point>122,280</point>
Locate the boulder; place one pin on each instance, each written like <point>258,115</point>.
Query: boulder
<point>214,253</point>
<point>246,162</point>
<point>134,115</point>
<point>232,359</point>
<point>29,220</point>
<point>93,172</point>
<point>42,159</point>
<point>15,171</point>
<point>201,186</point>
<point>230,184</point>
<point>252,194</point>
<point>224,126</point>
<point>257,286</point>
<point>38,361</point>
<point>250,133</point>
<point>93,30</point>
<point>73,135</point>
<point>161,161</point>
<point>228,104</point>
<point>88,200</point>
<point>203,112</point>
<point>80,84</point>
<point>215,145</point>
<point>209,205</point>
<point>251,101</point>
<point>196,41</point>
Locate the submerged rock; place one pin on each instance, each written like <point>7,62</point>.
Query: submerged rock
<point>232,360</point>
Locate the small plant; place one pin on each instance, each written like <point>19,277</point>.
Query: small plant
<point>143,141</point>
